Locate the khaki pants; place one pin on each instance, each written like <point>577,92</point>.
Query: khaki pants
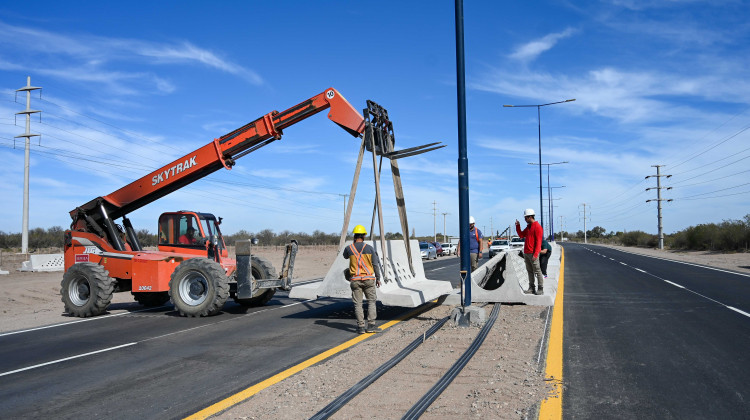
<point>366,287</point>
<point>474,261</point>
<point>533,269</point>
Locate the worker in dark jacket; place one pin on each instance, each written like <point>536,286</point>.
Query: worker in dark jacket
<point>364,277</point>
<point>544,255</point>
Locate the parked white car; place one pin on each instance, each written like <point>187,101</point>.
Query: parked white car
<point>449,248</point>
<point>516,242</point>
<point>499,245</point>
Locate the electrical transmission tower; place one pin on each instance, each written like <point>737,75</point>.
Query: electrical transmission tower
<point>28,134</point>
<point>444,214</point>
<point>585,239</point>
<point>658,200</point>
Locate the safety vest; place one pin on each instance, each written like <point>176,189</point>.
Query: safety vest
<point>360,267</point>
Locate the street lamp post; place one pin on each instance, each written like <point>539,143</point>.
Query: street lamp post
<point>539,123</point>
<point>549,198</point>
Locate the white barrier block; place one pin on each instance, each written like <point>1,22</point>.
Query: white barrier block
<point>44,262</point>
<point>504,278</point>
<point>404,288</point>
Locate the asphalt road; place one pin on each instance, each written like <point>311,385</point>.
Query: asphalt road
<point>647,338</point>
<point>154,364</point>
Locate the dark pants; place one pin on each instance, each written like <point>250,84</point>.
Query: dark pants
<point>543,260</point>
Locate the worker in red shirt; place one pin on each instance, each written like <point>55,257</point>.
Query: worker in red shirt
<point>532,246</point>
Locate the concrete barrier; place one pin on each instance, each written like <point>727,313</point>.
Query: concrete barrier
<point>503,279</point>
<point>404,288</point>
<point>44,262</point>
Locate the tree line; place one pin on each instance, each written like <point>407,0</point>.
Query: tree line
<point>729,235</point>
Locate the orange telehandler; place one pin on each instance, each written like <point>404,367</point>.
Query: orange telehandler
<point>192,266</point>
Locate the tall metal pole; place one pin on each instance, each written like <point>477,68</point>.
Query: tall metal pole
<point>463,161</point>
<point>27,152</point>
<point>541,203</point>
<point>658,201</point>
<point>444,214</point>
<point>549,203</point>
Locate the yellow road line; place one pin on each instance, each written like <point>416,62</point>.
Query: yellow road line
<point>249,392</point>
<point>551,407</point>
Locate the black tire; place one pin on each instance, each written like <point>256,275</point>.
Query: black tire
<point>261,269</point>
<point>86,290</point>
<point>151,299</point>
<point>198,287</point>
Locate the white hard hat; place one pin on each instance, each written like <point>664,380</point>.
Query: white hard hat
<point>471,220</point>
<point>528,212</point>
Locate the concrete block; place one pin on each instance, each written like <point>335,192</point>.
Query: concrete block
<point>404,289</point>
<point>44,262</point>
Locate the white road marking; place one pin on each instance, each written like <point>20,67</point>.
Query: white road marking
<point>436,269</point>
<point>737,310</point>
<point>623,263</point>
<point>66,359</point>
<point>675,284</point>
<point>76,322</point>
<point>642,271</point>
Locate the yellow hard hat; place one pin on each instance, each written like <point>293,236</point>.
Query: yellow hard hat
<point>360,229</point>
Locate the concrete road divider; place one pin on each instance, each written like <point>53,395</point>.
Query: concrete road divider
<point>503,279</point>
<point>44,262</point>
<point>403,288</point>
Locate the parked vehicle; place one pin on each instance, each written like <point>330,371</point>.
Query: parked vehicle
<point>428,250</point>
<point>498,246</point>
<point>516,242</point>
<point>438,248</point>
<point>449,248</point>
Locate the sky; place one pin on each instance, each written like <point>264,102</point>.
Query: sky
<point>128,87</point>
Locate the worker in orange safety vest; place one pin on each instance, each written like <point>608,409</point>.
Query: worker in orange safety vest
<point>364,277</point>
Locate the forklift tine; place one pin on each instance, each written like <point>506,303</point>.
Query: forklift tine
<point>397,155</point>
<point>411,149</point>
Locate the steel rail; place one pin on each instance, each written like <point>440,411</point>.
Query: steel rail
<point>419,408</point>
<point>352,392</point>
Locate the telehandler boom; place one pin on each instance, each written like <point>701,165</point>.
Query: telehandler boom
<point>191,266</point>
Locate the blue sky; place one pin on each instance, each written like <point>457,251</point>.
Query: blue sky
<point>131,86</point>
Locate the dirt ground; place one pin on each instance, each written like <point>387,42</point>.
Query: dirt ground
<point>503,380</point>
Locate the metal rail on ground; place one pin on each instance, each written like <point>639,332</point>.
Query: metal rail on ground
<point>352,392</point>
<point>419,408</point>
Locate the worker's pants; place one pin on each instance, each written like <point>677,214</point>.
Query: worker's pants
<point>366,287</point>
<point>474,261</point>
<point>533,269</point>
<point>543,260</point>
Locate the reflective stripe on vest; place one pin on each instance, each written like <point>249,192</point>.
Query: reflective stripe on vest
<point>363,271</point>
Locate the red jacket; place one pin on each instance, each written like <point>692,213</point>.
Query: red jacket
<point>533,234</point>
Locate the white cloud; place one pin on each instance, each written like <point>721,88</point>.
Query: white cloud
<point>533,49</point>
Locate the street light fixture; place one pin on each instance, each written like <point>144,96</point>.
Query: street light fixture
<point>549,195</point>
<point>539,123</point>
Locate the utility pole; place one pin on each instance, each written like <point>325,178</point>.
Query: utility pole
<point>444,214</point>
<point>492,231</point>
<point>345,197</point>
<point>562,231</point>
<point>28,134</point>
<point>434,222</point>
<point>659,200</point>
<point>585,239</point>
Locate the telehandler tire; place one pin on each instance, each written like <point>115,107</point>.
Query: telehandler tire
<point>261,269</point>
<point>198,287</point>
<point>86,289</point>
<point>151,299</point>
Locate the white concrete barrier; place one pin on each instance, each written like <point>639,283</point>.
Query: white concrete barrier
<point>44,262</point>
<point>404,288</point>
<point>503,279</point>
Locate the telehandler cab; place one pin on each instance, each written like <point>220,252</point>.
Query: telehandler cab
<point>191,266</point>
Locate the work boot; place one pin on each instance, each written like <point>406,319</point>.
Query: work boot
<point>360,330</point>
<point>371,328</point>
<point>539,291</point>
<point>530,291</point>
